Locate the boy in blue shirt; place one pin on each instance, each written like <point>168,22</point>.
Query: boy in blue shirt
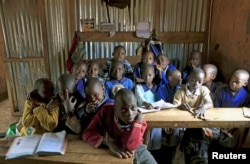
<point>194,61</point>
<point>163,66</point>
<point>118,54</point>
<point>232,96</point>
<point>117,79</point>
<point>146,58</point>
<point>95,99</point>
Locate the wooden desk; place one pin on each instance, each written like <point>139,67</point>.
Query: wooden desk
<point>216,117</point>
<point>77,151</point>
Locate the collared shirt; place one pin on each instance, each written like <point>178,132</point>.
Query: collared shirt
<point>106,70</point>
<point>198,98</point>
<point>145,94</point>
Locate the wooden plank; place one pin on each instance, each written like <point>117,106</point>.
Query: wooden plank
<point>78,151</point>
<point>165,37</point>
<point>157,16</point>
<point>182,37</point>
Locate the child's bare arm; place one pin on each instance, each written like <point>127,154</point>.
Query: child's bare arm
<point>147,105</point>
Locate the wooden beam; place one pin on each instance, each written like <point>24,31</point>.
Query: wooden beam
<point>165,37</point>
<point>182,37</point>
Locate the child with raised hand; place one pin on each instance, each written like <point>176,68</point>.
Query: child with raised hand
<point>233,96</point>
<point>163,66</point>
<point>93,70</point>
<point>41,109</point>
<point>123,131</point>
<point>95,99</point>
<point>210,74</point>
<point>117,79</point>
<point>79,69</point>
<point>195,98</point>
<point>194,61</point>
<point>69,100</point>
<point>146,58</point>
<point>119,53</point>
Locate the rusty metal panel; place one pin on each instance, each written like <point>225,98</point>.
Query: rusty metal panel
<point>58,35</point>
<point>183,15</point>
<point>22,28</point>
<point>22,76</point>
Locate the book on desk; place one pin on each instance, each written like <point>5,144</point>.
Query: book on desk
<point>48,143</point>
<point>157,106</point>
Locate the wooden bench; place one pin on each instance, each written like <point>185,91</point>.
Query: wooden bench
<point>77,151</point>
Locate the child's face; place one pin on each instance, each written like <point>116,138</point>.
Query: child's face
<point>148,58</point>
<point>119,54</point>
<point>195,81</point>
<point>117,71</point>
<point>163,61</point>
<point>195,60</point>
<point>93,70</point>
<point>126,109</point>
<point>176,79</point>
<point>46,90</point>
<point>209,75</point>
<point>236,82</point>
<point>79,71</point>
<point>148,76</point>
<point>95,93</point>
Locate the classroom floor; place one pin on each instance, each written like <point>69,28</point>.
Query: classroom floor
<point>7,119</point>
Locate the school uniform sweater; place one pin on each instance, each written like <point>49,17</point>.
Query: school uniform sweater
<point>129,137</point>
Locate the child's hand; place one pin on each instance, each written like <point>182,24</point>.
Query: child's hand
<point>200,112</point>
<point>159,67</point>
<point>119,152</point>
<point>90,108</point>
<point>69,102</point>
<point>147,105</point>
<point>50,106</point>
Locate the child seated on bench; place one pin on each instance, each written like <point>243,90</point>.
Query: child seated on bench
<point>120,127</point>
<point>41,110</point>
<point>118,54</point>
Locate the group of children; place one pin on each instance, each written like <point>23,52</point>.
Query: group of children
<point>102,106</point>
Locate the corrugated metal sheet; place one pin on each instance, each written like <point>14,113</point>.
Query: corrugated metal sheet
<point>183,15</point>
<point>58,33</point>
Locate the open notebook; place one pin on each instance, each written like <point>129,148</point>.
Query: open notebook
<point>158,105</point>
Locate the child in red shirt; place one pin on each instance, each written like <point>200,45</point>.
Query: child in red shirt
<point>120,127</point>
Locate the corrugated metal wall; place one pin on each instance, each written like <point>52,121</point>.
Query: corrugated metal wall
<point>24,34</point>
<point>176,16</point>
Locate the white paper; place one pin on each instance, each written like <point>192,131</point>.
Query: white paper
<point>161,104</point>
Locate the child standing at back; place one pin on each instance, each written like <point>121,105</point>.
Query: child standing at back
<point>41,110</point>
<point>93,71</point>
<point>146,58</point>
<point>194,61</point>
<point>163,66</point>
<point>120,127</point>
<point>233,96</point>
<point>79,69</point>
<point>118,54</point>
<point>195,97</point>
<point>210,74</point>
<point>117,79</point>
